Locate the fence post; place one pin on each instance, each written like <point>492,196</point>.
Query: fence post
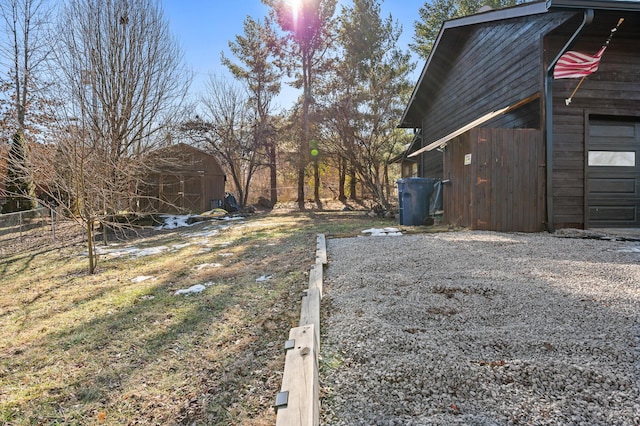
<point>53,223</point>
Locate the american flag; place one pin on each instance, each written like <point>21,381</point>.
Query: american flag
<point>576,64</point>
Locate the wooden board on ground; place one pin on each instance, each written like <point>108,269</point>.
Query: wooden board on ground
<point>300,380</point>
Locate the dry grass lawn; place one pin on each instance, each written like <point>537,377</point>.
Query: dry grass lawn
<point>119,347</point>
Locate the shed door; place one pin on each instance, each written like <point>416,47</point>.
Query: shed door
<point>613,172</point>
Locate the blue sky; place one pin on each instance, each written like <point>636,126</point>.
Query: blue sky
<point>204,28</point>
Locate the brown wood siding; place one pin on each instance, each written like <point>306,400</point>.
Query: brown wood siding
<point>613,90</point>
<point>499,64</point>
<point>525,117</point>
<point>457,188</point>
<point>503,187</point>
<point>185,179</point>
<point>431,164</point>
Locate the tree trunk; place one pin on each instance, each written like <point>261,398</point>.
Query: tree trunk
<point>92,259</point>
<point>342,170</point>
<point>304,144</point>
<point>387,184</point>
<point>316,180</point>
<point>300,187</point>
<point>273,174</point>
<point>352,183</point>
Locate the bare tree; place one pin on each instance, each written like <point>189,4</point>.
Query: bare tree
<point>227,129</point>
<point>256,69</point>
<point>124,71</point>
<point>25,49</point>
<point>123,79</point>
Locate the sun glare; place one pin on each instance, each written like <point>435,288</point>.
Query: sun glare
<point>295,6</point>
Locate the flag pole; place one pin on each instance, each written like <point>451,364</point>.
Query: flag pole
<point>604,46</point>
<point>568,100</point>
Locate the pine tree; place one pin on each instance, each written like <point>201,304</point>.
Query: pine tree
<point>435,12</point>
<point>256,69</point>
<point>21,191</point>
<point>308,25</point>
<point>367,92</point>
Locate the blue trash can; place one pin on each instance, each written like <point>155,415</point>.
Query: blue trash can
<point>414,195</point>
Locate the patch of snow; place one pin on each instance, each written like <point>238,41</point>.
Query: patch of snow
<point>142,278</point>
<point>198,288</point>
<point>174,221</point>
<point>264,278</point>
<point>112,252</point>
<point>128,251</point>
<point>383,232</point>
<point>150,251</point>
<point>180,246</point>
<point>225,254</point>
<point>206,233</point>
<point>208,265</point>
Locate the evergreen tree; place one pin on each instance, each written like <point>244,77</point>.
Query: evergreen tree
<point>367,92</point>
<point>21,191</point>
<point>255,68</point>
<point>308,25</point>
<point>23,103</point>
<point>435,12</point>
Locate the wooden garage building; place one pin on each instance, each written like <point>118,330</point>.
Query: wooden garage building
<point>184,179</point>
<point>515,155</point>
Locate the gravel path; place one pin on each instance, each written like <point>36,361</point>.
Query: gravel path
<point>481,328</point>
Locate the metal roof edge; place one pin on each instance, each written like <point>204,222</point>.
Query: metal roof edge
<point>518,11</point>
<point>619,5</point>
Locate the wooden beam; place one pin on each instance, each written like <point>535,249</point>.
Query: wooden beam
<point>298,403</point>
<point>316,274</point>
<point>321,250</point>
<point>300,381</point>
<point>310,312</point>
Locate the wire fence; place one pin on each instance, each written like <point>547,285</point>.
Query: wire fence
<point>20,222</point>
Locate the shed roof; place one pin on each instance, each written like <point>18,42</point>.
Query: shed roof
<point>443,141</point>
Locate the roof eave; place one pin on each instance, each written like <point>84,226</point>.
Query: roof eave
<point>403,121</point>
<point>620,5</point>
<point>522,10</point>
<point>526,9</point>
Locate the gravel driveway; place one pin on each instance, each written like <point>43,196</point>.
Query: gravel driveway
<point>481,328</point>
